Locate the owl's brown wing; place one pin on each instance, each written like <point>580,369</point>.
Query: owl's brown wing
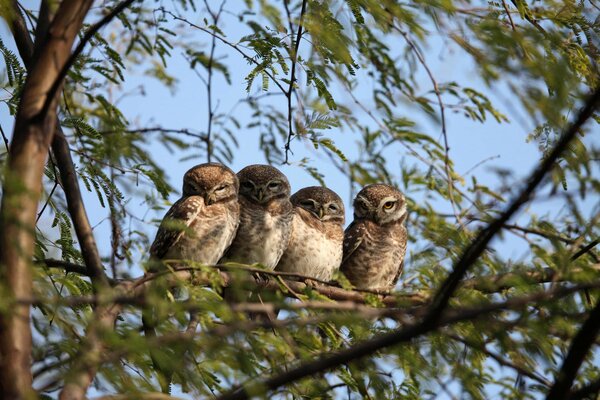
<point>403,241</point>
<point>397,277</point>
<point>179,217</point>
<point>353,237</point>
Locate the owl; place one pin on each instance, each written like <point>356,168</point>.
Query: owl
<point>202,224</point>
<point>198,227</point>
<point>315,247</point>
<point>265,217</point>
<point>375,242</point>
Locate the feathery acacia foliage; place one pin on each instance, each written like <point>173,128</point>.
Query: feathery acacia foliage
<point>297,73</point>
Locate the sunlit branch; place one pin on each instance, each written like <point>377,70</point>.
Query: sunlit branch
<point>66,167</point>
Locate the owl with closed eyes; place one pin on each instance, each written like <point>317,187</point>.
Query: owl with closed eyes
<point>375,242</point>
<point>265,217</point>
<point>315,246</point>
<point>201,225</point>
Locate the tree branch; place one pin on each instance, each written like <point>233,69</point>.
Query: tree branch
<point>294,47</point>
<point>21,191</point>
<point>500,360</point>
<point>478,246</point>
<point>89,34</point>
<point>434,317</point>
<point>586,392</point>
<point>139,396</point>
<point>580,345</point>
<point>69,181</point>
<point>402,335</point>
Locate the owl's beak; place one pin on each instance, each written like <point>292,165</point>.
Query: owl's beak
<point>321,212</point>
<point>210,198</point>
<point>260,194</point>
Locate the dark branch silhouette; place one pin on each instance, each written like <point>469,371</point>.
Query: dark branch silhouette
<point>433,318</point>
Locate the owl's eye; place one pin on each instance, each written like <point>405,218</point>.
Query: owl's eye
<point>221,188</point>
<point>307,203</point>
<point>246,185</point>
<point>273,185</point>
<point>333,207</point>
<point>388,205</point>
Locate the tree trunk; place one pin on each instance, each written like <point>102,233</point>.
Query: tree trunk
<point>21,190</point>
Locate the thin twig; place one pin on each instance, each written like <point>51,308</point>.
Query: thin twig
<point>228,43</point>
<point>4,138</point>
<point>438,94</point>
<point>294,47</point>
<point>209,68</point>
<point>499,359</point>
<point>47,201</point>
<point>512,24</point>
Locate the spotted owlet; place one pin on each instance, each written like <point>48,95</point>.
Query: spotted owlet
<point>375,242</point>
<point>198,227</point>
<point>315,247</point>
<point>202,224</point>
<point>265,217</point>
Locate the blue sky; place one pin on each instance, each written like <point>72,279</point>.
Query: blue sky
<point>503,145</point>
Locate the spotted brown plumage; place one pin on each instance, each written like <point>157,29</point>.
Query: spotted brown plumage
<point>265,217</point>
<point>375,242</point>
<point>198,227</point>
<point>315,246</point>
<point>202,223</point>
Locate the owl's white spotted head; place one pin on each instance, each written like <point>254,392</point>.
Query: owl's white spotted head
<point>380,203</point>
<point>324,204</point>
<point>263,183</point>
<point>213,181</point>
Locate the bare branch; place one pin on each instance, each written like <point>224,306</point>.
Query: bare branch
<point>449,178</point>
